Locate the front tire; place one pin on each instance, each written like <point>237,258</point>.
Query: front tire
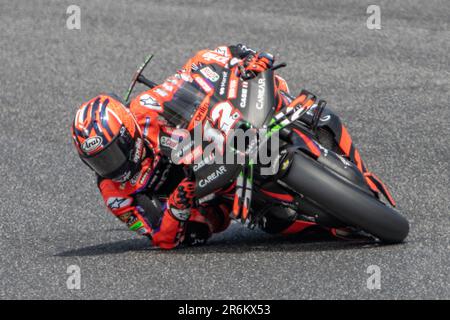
<point>343,200</point>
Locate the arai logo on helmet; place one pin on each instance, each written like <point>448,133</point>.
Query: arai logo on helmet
<point>91,144</point>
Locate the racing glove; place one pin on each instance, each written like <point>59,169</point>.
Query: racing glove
<point>257,63</point>
<point>182,200</point>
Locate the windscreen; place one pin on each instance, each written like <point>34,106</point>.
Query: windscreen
<point>182,107</point>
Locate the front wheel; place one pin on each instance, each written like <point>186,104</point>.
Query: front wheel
<point>343,200</point>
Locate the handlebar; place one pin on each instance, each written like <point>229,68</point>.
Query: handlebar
<point>247,75</point>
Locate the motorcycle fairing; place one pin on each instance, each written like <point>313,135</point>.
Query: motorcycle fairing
<point>330,122</point>
<point>254,99</point>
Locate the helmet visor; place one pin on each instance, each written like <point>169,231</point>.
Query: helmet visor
<point>114,159</point>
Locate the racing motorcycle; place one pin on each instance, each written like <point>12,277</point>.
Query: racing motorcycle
<point>309,175</point>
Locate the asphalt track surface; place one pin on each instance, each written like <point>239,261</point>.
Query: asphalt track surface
<point>391,87</point>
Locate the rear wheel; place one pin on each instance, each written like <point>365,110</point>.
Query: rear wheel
<point>343,200</point>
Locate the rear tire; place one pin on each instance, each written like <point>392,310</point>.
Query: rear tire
<point>346,202</point>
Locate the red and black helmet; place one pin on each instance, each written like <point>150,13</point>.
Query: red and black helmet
<point>108,138</point>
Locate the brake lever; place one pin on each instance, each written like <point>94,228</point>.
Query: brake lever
<point>316,118</point>
<point>278,66</point>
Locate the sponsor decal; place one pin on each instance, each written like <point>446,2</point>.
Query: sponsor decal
<point>168,87</point>
<point>209,159</point>
<point>138,150</point>
<point>126,216</point>
<point>145,176</point>
<point>172,80</point>
<point>261,91</point>
<point>185,77</point>
<point>325,118</point>
<point>91,144</point>
<point>213,176</point>
<point>213,56</point>
<point>168,142</point>
<point>200,114</point>
<point>210,74</point>
<point>181,215</point>
<point>118,203</point>
<point>134,223</point>
<point>203,84</point>
<point>232,89</point>
<point>222,50</point>
<point>149,102</point>
<point>244,93</point>
<point>161,92</point>
<point>223,83</point>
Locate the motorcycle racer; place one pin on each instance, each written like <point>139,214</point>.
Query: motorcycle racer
<point>121,145</point>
